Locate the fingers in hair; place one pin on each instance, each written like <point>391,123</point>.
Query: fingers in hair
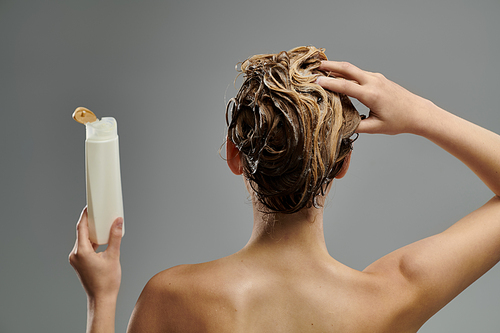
<point>345,70</point>
<point>352,89</point>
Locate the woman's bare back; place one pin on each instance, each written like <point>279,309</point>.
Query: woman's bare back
<point>250,293</point>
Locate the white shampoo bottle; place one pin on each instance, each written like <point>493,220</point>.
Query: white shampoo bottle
<point>104,189</point>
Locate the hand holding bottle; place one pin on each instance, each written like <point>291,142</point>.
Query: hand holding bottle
<point>100,273</point>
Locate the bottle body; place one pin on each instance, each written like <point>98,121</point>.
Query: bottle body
<point>104,190</point>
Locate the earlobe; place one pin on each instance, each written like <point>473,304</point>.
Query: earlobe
<point>345,166</point>
<point>233,158</point>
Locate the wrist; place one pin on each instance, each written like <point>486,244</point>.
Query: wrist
<point>104,292</point>
<point>101,300</point>
<point>431,120</point>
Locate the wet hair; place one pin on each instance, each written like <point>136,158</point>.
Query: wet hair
<point>292,134</point>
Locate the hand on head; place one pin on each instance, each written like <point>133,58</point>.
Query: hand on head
<point>99,273</point>
<point>393,109</point>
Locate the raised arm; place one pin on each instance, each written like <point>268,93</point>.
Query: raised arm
<point>437,268</point>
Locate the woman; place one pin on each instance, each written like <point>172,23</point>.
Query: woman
<point>288,136</point>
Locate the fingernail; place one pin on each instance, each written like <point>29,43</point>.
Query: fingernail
<point>318,79</point>
<point>119,224</point>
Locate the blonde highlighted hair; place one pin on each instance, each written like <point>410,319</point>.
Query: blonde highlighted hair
<point>292,134</point>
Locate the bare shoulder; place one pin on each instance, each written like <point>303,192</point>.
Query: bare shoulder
<point>157,302</point>
<point>378,299</point>
<point>180,299</point>
<point>173,279</point>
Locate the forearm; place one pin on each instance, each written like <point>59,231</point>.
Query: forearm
<point>476,147</point>
<point>101,315</point>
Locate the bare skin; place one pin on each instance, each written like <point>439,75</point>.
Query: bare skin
<point>284,279</point>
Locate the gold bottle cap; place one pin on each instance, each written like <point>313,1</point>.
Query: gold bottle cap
<point>84,115</point>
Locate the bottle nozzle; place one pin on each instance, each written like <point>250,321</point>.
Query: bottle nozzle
<point>84,115</point>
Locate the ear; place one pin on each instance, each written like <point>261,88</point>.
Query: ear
<point>233,158</point>
<point>345,166</point>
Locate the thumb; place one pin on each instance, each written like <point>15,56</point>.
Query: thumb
<point>368,125</point>
<point>115,238</point>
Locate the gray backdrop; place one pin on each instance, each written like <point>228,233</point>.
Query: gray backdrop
<point>164,70</point>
